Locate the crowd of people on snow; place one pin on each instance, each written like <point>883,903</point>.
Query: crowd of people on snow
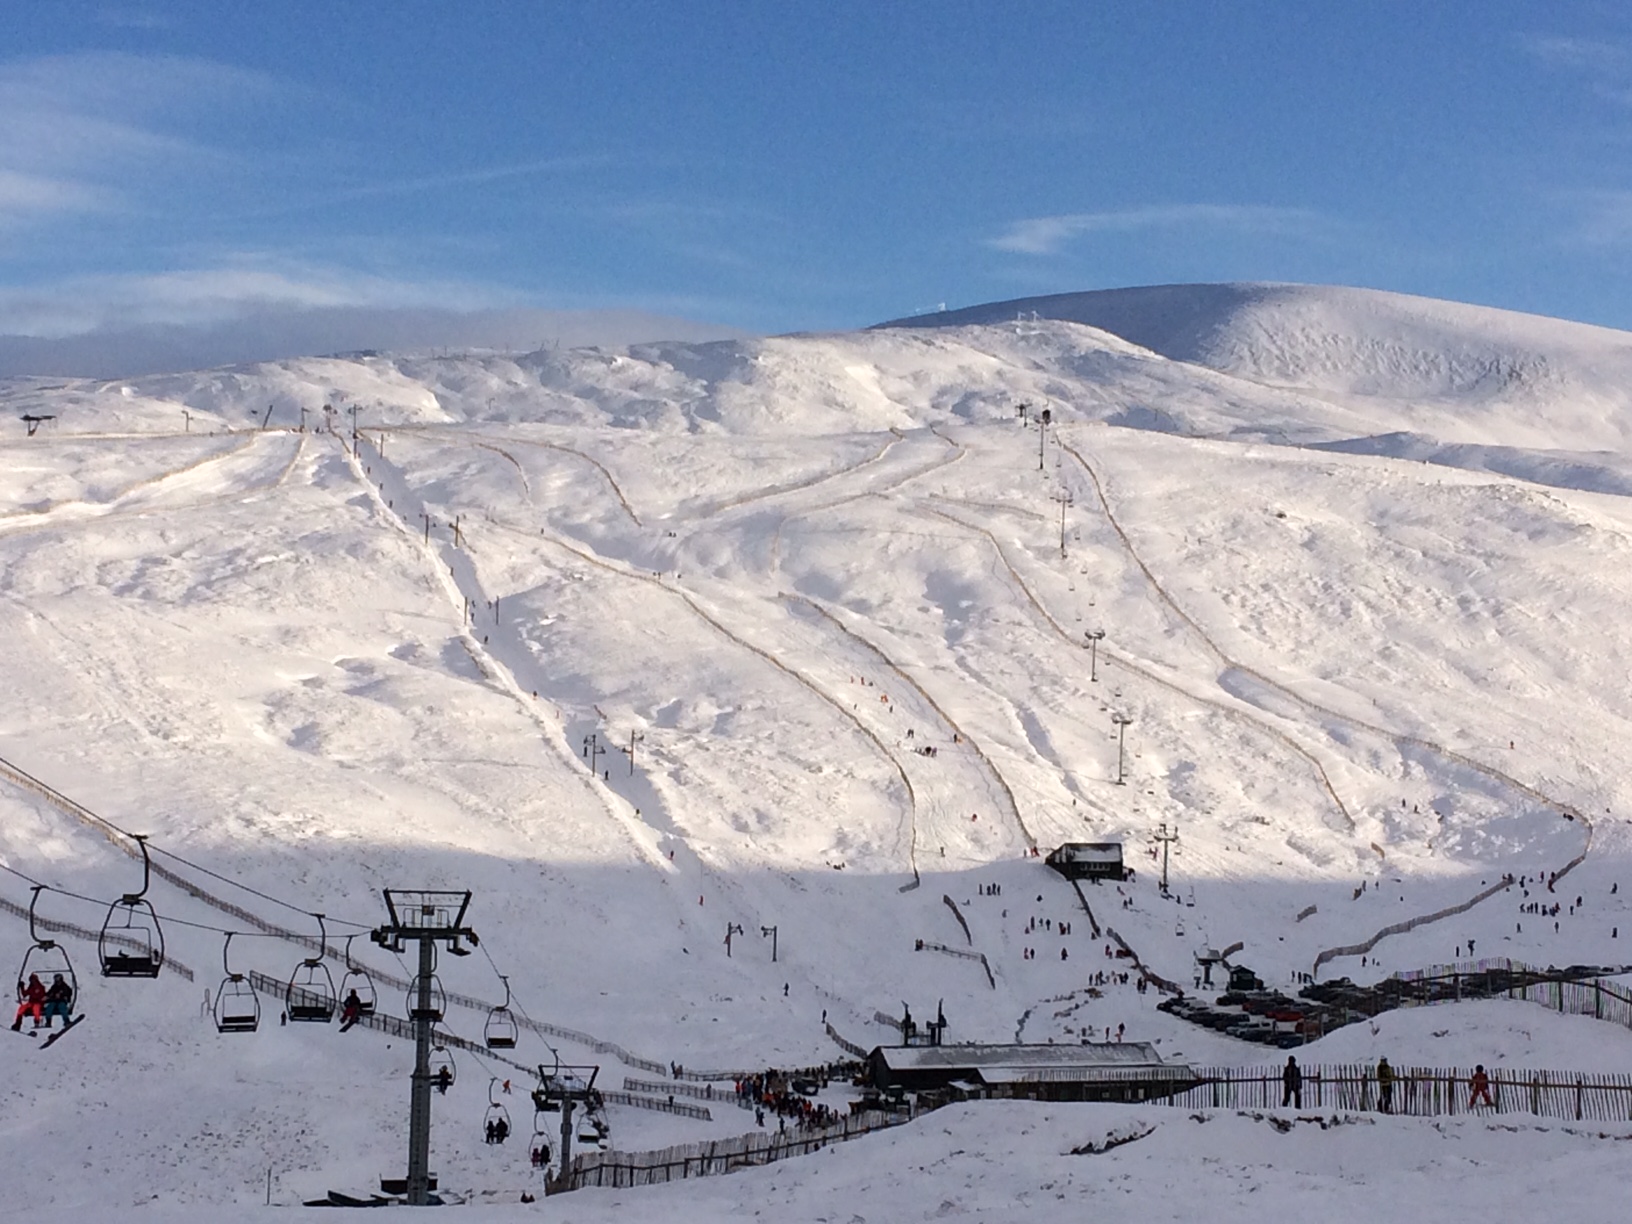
<point>773,1093</point>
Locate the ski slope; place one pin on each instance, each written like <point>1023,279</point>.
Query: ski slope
<point>1361,601</point>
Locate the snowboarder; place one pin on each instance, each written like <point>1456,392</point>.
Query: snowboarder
<point>59,999</point>
<point>350,1011</point>
<point>30,998</point>
<point>1385,1086</point>
<point>1291,1084</point>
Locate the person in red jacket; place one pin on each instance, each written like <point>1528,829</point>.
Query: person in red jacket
<point>1480,1083</point>
<point>30,998</point>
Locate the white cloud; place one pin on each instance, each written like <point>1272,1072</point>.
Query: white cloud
<point>229,290</point>
<point>1603,219</point>
<point>259,309</point>
<point>1047,235</point>
<point>86,131</point>
<point>1564,51</point>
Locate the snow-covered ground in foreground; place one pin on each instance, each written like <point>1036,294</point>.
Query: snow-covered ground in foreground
<point>1363,603</point>
<point>1015,1161</point>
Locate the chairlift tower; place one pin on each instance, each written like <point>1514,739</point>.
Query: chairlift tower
<point>1166,837</point>
<point>428,917</point>
<point>563,1087</point>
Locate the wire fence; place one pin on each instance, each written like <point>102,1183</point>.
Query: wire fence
<point>619,1170</point>
<point>1416,1091</point>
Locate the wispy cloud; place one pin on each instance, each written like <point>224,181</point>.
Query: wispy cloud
<point>82,132</point>
<point>228,289</point>
<point>1048,235</point>
<point>1603,219</point>
<point>1564,51</point>
<point>1604,66</point>
<point>132,19</point>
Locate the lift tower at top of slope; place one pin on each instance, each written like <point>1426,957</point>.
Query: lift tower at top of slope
<point>427,917</point>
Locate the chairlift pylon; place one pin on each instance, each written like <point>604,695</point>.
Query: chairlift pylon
<point>47,961</point>
<point>309,998</point>
<point>501,1031</point>
<point>358,981</point>
<point>237,1008</point>
<point>132,942</point>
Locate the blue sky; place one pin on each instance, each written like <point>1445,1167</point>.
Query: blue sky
<point>783,166</point>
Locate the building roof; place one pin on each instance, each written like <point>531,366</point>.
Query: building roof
<point>1120,1055</point>
<point>1089,852</point>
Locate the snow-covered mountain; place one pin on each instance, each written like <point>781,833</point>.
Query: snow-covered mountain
<point>646,646</point>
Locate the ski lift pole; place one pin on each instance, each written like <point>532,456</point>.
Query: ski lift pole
<point>32,902</point>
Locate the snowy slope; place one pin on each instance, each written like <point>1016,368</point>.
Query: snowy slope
<point>779,570</point>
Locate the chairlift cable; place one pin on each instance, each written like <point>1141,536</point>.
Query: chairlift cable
<point>101,904</point>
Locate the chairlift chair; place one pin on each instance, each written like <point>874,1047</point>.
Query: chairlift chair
<point>47,960</point>
<point>442,1068</point>
<point>310,997</point>
<point>496,1112</point>
<point>357,981</point>
<point>237,1008</point>
<point>501,1031</point>
<point>131,944</point>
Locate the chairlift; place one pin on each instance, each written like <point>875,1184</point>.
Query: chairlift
<point>310,997</point>
<point>48,961</point>
<point>132,943</point>
<point>442,1069</point>
<point>496,1122</point>
<point>501,1031</point>
<point>357,981</point>
<point>237,1008</point>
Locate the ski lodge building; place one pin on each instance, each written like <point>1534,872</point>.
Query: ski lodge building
<point>1089,861</point>
<point>1092,1071</point>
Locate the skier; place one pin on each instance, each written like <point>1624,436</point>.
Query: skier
<point>1291,1084</point>
<point>444,1080</point>
<point>1480,1084</point>
<point>350,1011</point>
<point>1385,1086</point>
<point>58,999</point>
<point>30,998</point>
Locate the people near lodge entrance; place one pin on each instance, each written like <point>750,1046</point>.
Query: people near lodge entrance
<point>1292,1084</point>
<point>1385,1086</point>
<point>59,997</point>
<point>1480,1085</point>
<point>30,998</point>
<point>350,1011</point>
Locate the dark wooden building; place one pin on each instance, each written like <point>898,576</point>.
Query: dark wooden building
<point>1094,1071</point>
<point>1089,861</point>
